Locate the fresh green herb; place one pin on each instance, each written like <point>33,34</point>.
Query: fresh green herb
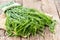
<point>21,21</point>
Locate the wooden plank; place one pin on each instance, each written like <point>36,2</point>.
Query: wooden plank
<point>2,16</point>
<point>5,37</point>
<point>19,1</point>
<point>57,31</point>
<point>12,38</point>
<point>25,38</point>
<point>4,1</point>
<point>2,37</point>
<point>36,37</point>
<point>32,4</point>
<point>48,35</point>
<point>57,3</point>
<point>48,6</point>
<point>1,33</point>
<point>2,21</point>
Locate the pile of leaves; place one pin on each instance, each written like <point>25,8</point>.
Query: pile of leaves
<point>21,21</point>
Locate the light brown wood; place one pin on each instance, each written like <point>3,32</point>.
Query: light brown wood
<point>48,6</point>
<point>19,1</point>
<point>57,4</point>
<point>5,1</point>
<point>25,39</point>
<point>2,37</point>
<point>32,4</point>
<point>36,37</point>
<point>51,7</point>
<point>12,38</point>
<point>2,21</point>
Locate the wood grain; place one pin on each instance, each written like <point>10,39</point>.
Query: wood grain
<point>32,4</point>
<point>2,37</point>
<point>12,38</point>
<point>25,38</point>
<point>51,7</point>
<point>19,1</point>
<point>57,4</point>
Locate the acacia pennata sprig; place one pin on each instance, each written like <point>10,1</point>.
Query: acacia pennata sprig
<point>21,21</point>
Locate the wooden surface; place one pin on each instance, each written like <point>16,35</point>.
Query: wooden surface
<point>51,7</point>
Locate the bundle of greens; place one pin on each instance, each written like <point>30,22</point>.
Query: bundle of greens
<point>21,21</point>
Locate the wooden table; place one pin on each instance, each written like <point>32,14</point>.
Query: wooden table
<point>51,7</point>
